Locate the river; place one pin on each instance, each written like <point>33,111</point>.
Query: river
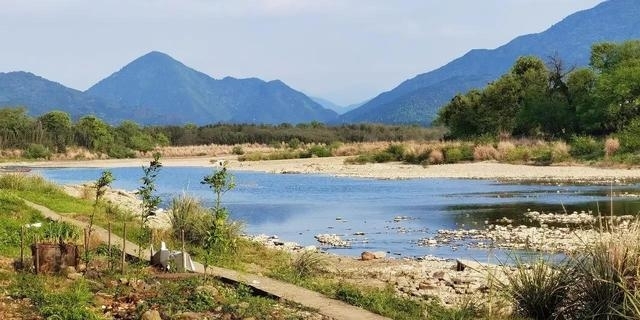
<point>297,206</point>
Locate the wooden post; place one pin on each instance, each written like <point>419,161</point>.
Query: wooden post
<point>110,263</point>
<point>37,256</point>
<point>22,247</point>
<point>124,245</point>
<point>184,253</point>
<point>86,248</point>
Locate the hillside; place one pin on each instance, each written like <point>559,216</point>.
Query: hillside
<point>417,100</point>
<point>165,91</point>
<point>40,95</point>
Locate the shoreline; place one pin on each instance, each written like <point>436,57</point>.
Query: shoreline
<point>335,166</point>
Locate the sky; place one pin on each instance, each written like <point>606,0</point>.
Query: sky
<point>346,51</point>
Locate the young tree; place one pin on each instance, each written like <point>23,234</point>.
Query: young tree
<point>146,191</point>
<point>219,236</point>
<point>101,185</point>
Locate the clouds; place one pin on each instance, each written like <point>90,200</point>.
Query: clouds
<point>344,50</point>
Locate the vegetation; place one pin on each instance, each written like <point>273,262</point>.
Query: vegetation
<point>105,180</point>
<point>551,101</point>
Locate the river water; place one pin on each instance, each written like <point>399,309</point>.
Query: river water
<point>297,206</point>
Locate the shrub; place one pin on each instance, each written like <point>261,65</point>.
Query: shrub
<point>120,152</point>
<point>485,152</point>
<point>294,143</point>
<point>436,157</point>
<point>397,151</point>
<point>560,151</point>
<point>518,154</point>
<point>320,151</point>
<point>611,146</point>
<point>586,148</point>
<point>237,150</point>
<point>457,154</point>
<point>308,264</point>
<point>186,213</point>
<point>540,291</point>
<point>630,137</point>
<point>37,151</point>
<point>384,156</point>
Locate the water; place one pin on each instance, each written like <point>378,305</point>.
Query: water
<point>297,207</point>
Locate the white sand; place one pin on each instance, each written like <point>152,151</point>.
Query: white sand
<point>335,166</point>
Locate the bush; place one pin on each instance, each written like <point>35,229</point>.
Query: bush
<point>539,292</point>
<point>611,146</point>
<point>586,148</point>
<point>485,152</point>
<point>458,154</point>
<point>436,157</point>
<point>382,157</point>
<point>294,143</point>
<point>37,151</point>
<point>237,150</point>
<point>120,152</point>
<point>630,137</point>
<point>397,151</point>
<point>320,151</point>
<point>542,156</point>
<point>518,154</point>
<point>186,213</point>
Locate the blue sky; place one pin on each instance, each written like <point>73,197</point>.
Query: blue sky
<point>345,51</point>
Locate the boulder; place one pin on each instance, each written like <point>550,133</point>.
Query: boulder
<point>366,256</point>
<point>151,315</point>
<point>380,254</point>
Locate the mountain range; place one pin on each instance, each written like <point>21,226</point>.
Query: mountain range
<point>418,100</point>
<point>157,89</point>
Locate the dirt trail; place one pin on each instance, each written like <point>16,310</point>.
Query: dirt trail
<point>311,299</point>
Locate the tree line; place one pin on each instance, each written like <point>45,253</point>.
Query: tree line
<point>55,131</point>
<point>549,100</point>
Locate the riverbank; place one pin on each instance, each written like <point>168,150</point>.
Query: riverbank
<point>335,166</point>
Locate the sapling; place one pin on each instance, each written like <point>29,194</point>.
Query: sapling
<point>101,185</point>
<point>146,191</point>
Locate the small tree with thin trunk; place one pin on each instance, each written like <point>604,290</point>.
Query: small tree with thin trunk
<point>101,185</point>
<point>219,236</point>
<point>150,201</point>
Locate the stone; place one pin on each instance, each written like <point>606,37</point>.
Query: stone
<point>69,270</point>
<point>209,290</point>
<point>188,316</point>
<point>151,315</point>
<point>366,256</point>
<point>74,276</point>
<point>439,275</point>
<point>425,285</point>
<point>380,254</point>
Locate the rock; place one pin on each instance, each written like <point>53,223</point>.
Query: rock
<point>188,316</point>
<point>425,285</point>
<point>209,290</point>
<point>81,267</point>
<point>69,270</point>
<point>74,276</point>
<point>380,254</point>
<point>439,275</point>
<point>461,265</point>
<point>151,315</point>
<point>366,256</point>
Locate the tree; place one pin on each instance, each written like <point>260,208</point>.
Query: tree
<point>101,185</point>
<point>94,134</point>
<point>220,237</point>
<point>15,128</point>
<point>150,201</point>
<point>58,127</point>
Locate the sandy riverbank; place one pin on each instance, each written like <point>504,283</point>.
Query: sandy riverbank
<point>335,166</point>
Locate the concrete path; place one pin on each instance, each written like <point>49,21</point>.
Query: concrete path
<point>329,307</point>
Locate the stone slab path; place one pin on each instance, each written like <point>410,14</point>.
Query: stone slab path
<point>329,307</point>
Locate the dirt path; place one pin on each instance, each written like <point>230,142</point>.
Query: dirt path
<point>311,299</point>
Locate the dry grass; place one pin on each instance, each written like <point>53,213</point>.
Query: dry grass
<point>436,157</point>
<point>485,152</point>
<point>611,146</point>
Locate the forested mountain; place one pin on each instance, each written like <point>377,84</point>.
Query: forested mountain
<point>162,90</point>
<point>417,100</point>
<point>40,95</point>
<point>156,89</point>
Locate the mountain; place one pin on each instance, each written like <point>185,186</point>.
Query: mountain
<point>161,90</point>
<point>40,95</point>
<point>335,107</point>
<point>418,100</point>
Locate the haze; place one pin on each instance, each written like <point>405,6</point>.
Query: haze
<point>345,51</point>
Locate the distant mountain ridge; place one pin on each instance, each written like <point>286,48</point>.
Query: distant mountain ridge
<point>418,100</point>
<point>156,89</point>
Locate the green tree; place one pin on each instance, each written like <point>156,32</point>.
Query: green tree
<point>220,237</point>
<point>58,127</point>
<point>94,134</point>
<point>15,128</point>
<point>101,185</point>
<point>146,191</point>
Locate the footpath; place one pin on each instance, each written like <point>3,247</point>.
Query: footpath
<point>326,306</point>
